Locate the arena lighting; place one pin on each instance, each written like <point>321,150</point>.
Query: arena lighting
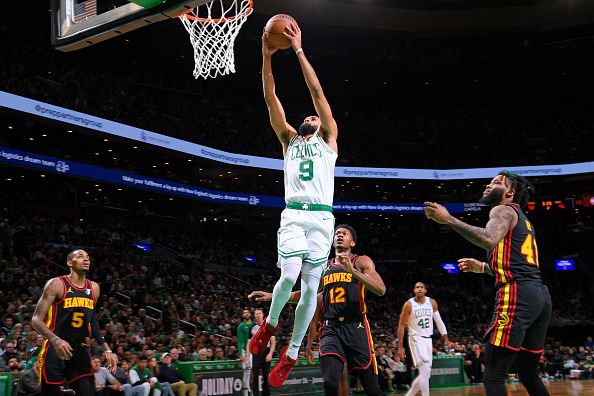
<point>146,248</point>
<point>450,268</point>
<point>565,265</point>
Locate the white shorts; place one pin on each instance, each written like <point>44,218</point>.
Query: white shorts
<point>306,234</point>
<point>421,349</point>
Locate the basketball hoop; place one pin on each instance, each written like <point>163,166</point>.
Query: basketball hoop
<point>213,29</point>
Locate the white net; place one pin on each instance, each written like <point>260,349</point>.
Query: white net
<point>213,33</point>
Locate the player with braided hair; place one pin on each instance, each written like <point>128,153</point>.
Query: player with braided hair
<point>523,304</point>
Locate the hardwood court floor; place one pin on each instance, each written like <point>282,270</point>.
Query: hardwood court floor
<point>556,388</point>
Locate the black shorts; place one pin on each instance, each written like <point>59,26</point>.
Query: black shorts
<point>54,371</point>
<point>351,342</point>
<point>521,316</point>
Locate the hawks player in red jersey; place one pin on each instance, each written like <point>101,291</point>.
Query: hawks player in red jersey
<point>64,315</point>
<point>523,304</point>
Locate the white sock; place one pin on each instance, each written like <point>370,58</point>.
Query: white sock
<point>424,376</point>
<point>290,268</point>
<point>421,382</point>
<point>306,308</point>
<point>414,387</point>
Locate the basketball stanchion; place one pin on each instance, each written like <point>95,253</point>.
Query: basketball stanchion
<point>213,28</point>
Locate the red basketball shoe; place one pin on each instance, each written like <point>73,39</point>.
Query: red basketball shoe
<point>260,340</point>
<point>281,371</point>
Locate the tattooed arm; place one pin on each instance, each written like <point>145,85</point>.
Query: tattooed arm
<point>501,219</point>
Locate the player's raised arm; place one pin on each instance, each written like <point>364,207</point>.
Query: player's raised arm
<point>283,130</point>
<point>52,292</point>
<point>365,272</point>
<point>329,130</point>
<point>501,219</point>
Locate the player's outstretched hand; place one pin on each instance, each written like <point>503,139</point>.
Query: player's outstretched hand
<point>345,262</point>
<point>293,33</point>
<point>63,348</point>
<point>436,212</point>
<point>470,265</point>
<point>401,354</point>
<point>309,354</point>
<point>267,49</point>
<point>260,295</point>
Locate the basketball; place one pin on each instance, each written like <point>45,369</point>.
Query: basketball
<point>275,28</point>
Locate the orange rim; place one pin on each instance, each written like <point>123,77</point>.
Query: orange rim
<point>247,12</point>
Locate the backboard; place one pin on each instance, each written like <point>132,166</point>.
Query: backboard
<point>79,23</point>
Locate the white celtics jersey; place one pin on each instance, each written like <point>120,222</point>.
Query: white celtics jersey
<point>420,320</point>
<point>309,171</point>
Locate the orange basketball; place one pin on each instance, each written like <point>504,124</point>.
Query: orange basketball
<point>275,28</point>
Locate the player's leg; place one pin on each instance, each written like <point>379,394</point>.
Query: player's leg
<point>319,241</point>
<point>369,380</point>
<point>306,308</point>
<point>498,360</point>
<point>246,373</point>
<point>255,383</point>
<point>292,247</point>
<point>344,388</point>
<point>332,367</point>
<point>533,344</point>
<point>265,373</point>
<point>527,363</point>
<point>421,352</point>
<point>50,389</point>
<point>50,370</point>
<point>79,372</point>
<point>84,385</point>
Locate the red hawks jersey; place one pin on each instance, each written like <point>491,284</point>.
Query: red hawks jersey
<point>516,256</point>
<point>343,295</point>
<point>70,318</point>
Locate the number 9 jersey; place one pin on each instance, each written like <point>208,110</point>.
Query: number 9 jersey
<point>309,170</point>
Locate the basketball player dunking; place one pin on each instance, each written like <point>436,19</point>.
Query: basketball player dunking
<point>523,304</point>
<point>345,336</point>
<point>307,223</point>
<point>64,315</point>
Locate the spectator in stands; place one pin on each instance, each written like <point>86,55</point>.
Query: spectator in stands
<point>121,375</point>
<point>105,382</point>
<point>203,355</point>
<point>587,365</point>
<point>164,386</point>
<point>169,373</point>
<point>385,372</point>
<point>473,364</point>
<point>219,354</point>
<point>174,356</point>
<point>28,384</point>
<point>9,353</point>
<point>142,374</point>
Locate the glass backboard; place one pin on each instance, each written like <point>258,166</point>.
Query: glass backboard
<point>79,23</point>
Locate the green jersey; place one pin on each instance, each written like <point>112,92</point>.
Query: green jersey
<point>243,334</point>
